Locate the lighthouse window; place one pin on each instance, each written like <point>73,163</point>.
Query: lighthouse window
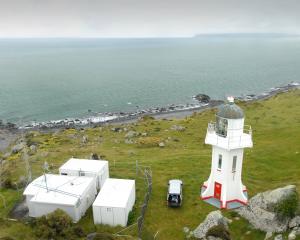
<point>220,162</point>
<point>234,163</point>
<point>221,128</point>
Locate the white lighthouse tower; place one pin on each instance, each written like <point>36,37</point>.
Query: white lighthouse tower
<point>224,188</point>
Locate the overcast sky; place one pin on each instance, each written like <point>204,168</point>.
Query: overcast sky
<point>145,18</point>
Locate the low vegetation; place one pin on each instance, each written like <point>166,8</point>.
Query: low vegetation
<point>272,162</point>
<point>287,207</point>
<point>219,231</point>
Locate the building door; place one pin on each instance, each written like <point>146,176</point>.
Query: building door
<point>218,189</point>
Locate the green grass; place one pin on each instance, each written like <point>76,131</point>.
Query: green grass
<point>274,161</point>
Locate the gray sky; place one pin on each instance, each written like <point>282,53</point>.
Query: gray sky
<point>145,18</point>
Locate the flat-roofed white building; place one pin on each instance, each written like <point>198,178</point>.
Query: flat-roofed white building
<point>114,202</point>
<point>49,192</point>
<point>85,167</point>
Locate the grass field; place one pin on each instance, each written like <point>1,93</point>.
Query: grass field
<point>274,161</point>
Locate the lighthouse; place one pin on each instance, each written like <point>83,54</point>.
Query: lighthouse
<point>228,137</point>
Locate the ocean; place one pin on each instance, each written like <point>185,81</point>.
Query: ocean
<point>49,79</point>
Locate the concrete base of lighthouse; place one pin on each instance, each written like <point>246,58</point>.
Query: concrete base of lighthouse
<point>229,204</point>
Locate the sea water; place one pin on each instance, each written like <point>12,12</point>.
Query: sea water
<point>47,79</point>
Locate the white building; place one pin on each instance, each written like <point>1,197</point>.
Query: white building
<point>90,168</point>
<point>114,202</point>
<point>49,192</point>
<point>224,188</point>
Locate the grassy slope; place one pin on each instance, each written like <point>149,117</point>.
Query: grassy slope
<point>274,161</point>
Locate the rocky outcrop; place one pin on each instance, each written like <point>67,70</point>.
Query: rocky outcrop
<point>213,219</point>
<point>203,98</point>
<point>260,210</point>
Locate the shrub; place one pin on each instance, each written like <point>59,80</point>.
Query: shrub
<point>131,217</point>
<point>287,207</point>
<point>218,231</point>
<point>149,141</point>
<point>103,236</point>
<point>147,118</point>
<point>56,225</point>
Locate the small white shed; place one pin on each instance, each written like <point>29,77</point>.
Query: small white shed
<point>49,192</point>
<point>114,202</point>
<point>85,167</point>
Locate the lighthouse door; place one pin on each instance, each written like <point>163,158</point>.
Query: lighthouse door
<point>218,188</point>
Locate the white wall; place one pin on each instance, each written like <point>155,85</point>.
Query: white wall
<point>37,209</point>
<point>114,216</point>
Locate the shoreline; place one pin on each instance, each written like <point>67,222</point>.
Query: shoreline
<point>170,111</point>
<point>10,132</point>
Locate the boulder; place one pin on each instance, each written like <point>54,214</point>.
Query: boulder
<point>33,148</point>
<point>128,141</point>
<point>131,134</point>
<point>295,222</point>
<point>260,210</point>
<point>278,237</point>
<point>203,98</point>
<point>292,236</point>
<point>85,139</point>
<point>213,219</point>
<point>177,128</point>
<point>18,148</point>
<point>268,235</point>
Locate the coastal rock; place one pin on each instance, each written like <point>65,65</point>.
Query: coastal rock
<point>260,210</point>
<point>295,222</point>
<point>203,98</point>
<point>177,128</point>
<point>213,219</point>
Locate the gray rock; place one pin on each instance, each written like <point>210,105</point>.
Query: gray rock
<point>296,230</point>
<point>186,229</point>
<point>295,222</point>
<point>212,219</point>
<point>33,148</point>
<point>292,236</point>
<point>213,238</point>
<point>85,139</point>
<point>6,155</point>
<point>131,134</point>
<point>177,128</point>
<point>259,211</point>
<point>203,98</point>
<point>278,237</point>
<point>161,144</point>
<point>128,141</point>
<point>268,235</point>
<point>18,148</point>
